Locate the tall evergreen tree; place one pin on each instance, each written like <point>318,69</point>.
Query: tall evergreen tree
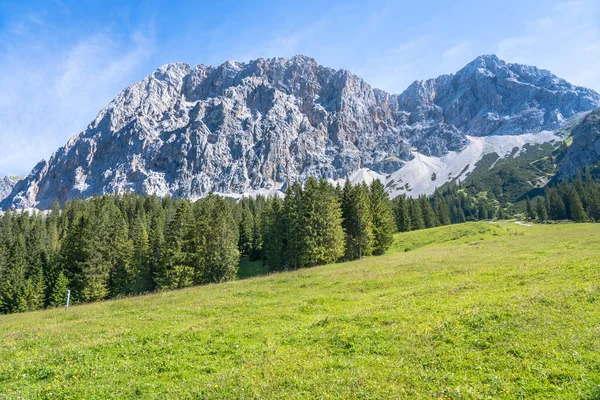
<point>557,206</point>
<point>357,220</point>
<point>58,292</point>
<point>292,214</point>
<point>541,212</point>
<point>246,230</point>
<point>529,209</point>
<point>13,278</point>
<point>416,215</point>
<point>429,217</point>
<point>141,260</point>
<point>577,212</point>
<point>216,254</point>
<point>402,214</point>
<point>273,231</point>
<point>383,218</point>
<point>174,270</point>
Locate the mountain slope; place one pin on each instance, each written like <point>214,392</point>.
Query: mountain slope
<point>584,149</point>
<point>7,184</point>
<point>257,126</point>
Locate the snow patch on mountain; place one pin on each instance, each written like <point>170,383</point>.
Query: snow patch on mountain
<point>256,127</point>
<point>423,174</point>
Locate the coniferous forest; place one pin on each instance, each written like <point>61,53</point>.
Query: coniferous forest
<point>112,246</point>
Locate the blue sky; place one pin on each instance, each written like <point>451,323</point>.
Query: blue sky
<point>62,61</point>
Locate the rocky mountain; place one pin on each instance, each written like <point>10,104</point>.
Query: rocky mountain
<point>6,185</point>
<point>584,149</point>
<point>254,127</point>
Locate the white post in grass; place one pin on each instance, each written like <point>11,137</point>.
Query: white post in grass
<point>68,298</point>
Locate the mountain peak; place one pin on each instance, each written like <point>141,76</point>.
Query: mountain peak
<point>257,126</point>
<point>487,60</point>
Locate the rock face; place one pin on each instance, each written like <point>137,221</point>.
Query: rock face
<point>244,127</point>
<point>585,148</point>
<point>6,185</point>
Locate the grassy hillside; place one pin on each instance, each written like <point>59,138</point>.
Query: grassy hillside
<point>477,310</point>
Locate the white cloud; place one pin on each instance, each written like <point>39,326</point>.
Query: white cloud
<point>566,42</point>
<point>47,96</point>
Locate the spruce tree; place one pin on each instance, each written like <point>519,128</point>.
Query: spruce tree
<point>330,232</point>
<point>358,221</point>
<point>429,217</point>
<point>383,218</point>
<point>557,206</point>
<point>442,211</point>
<point>293,218</point>
<point>577,212</point>
<point>256,247</point>
<point>402,213</point>
<point>174,269</point>
<point>273,232</point>
<point>216,255</point>
<point>416,215</point>
<point>540,209</point>
<point>12,278</point>
<point>310,223</point>
<point>58,292</point>
<point>141,263</point>
<point>529,209</point>
<point>246,230</point>
<point>482,211</point>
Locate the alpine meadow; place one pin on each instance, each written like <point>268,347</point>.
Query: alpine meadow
<point>475,310</point>
<point>412,214</point>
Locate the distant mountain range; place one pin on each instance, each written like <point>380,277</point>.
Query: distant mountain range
<point>249,128</point>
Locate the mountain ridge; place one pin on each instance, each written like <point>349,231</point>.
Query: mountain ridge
<point>246,127</point>
<point>7,183</point>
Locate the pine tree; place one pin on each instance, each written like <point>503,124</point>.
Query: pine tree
<point>309,224</point>
<point>416,215</point>
<point>541,212</point>
<point>246,231</point>
<point>501,213</point>
<point>442,211</point>
<point>577,212</point>
<point>529,209</point>
<point>174,269</point>
<point>12,278</point>
<point>292,222</point>
<point>273,233</point>
<point>156,217</point>
<point>257,243</point>
<point>402,214</point>
<point>557,206</point>
<point>383,218</point>
<point>482,211</point>
<point>328,221</point>
<point>58,293</point>
<point>357,221</point>
<point>429,217</point>
<point>141,263</point>
<point>216,255</point>
<point>117,251</point>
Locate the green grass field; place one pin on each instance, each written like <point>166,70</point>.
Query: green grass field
<point>477,310</point>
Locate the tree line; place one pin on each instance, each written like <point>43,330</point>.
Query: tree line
<point>577,200</point>
<point>111,246</point>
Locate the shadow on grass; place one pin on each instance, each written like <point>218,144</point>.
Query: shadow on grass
<point>594,394</point>
<point>249,269</point>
